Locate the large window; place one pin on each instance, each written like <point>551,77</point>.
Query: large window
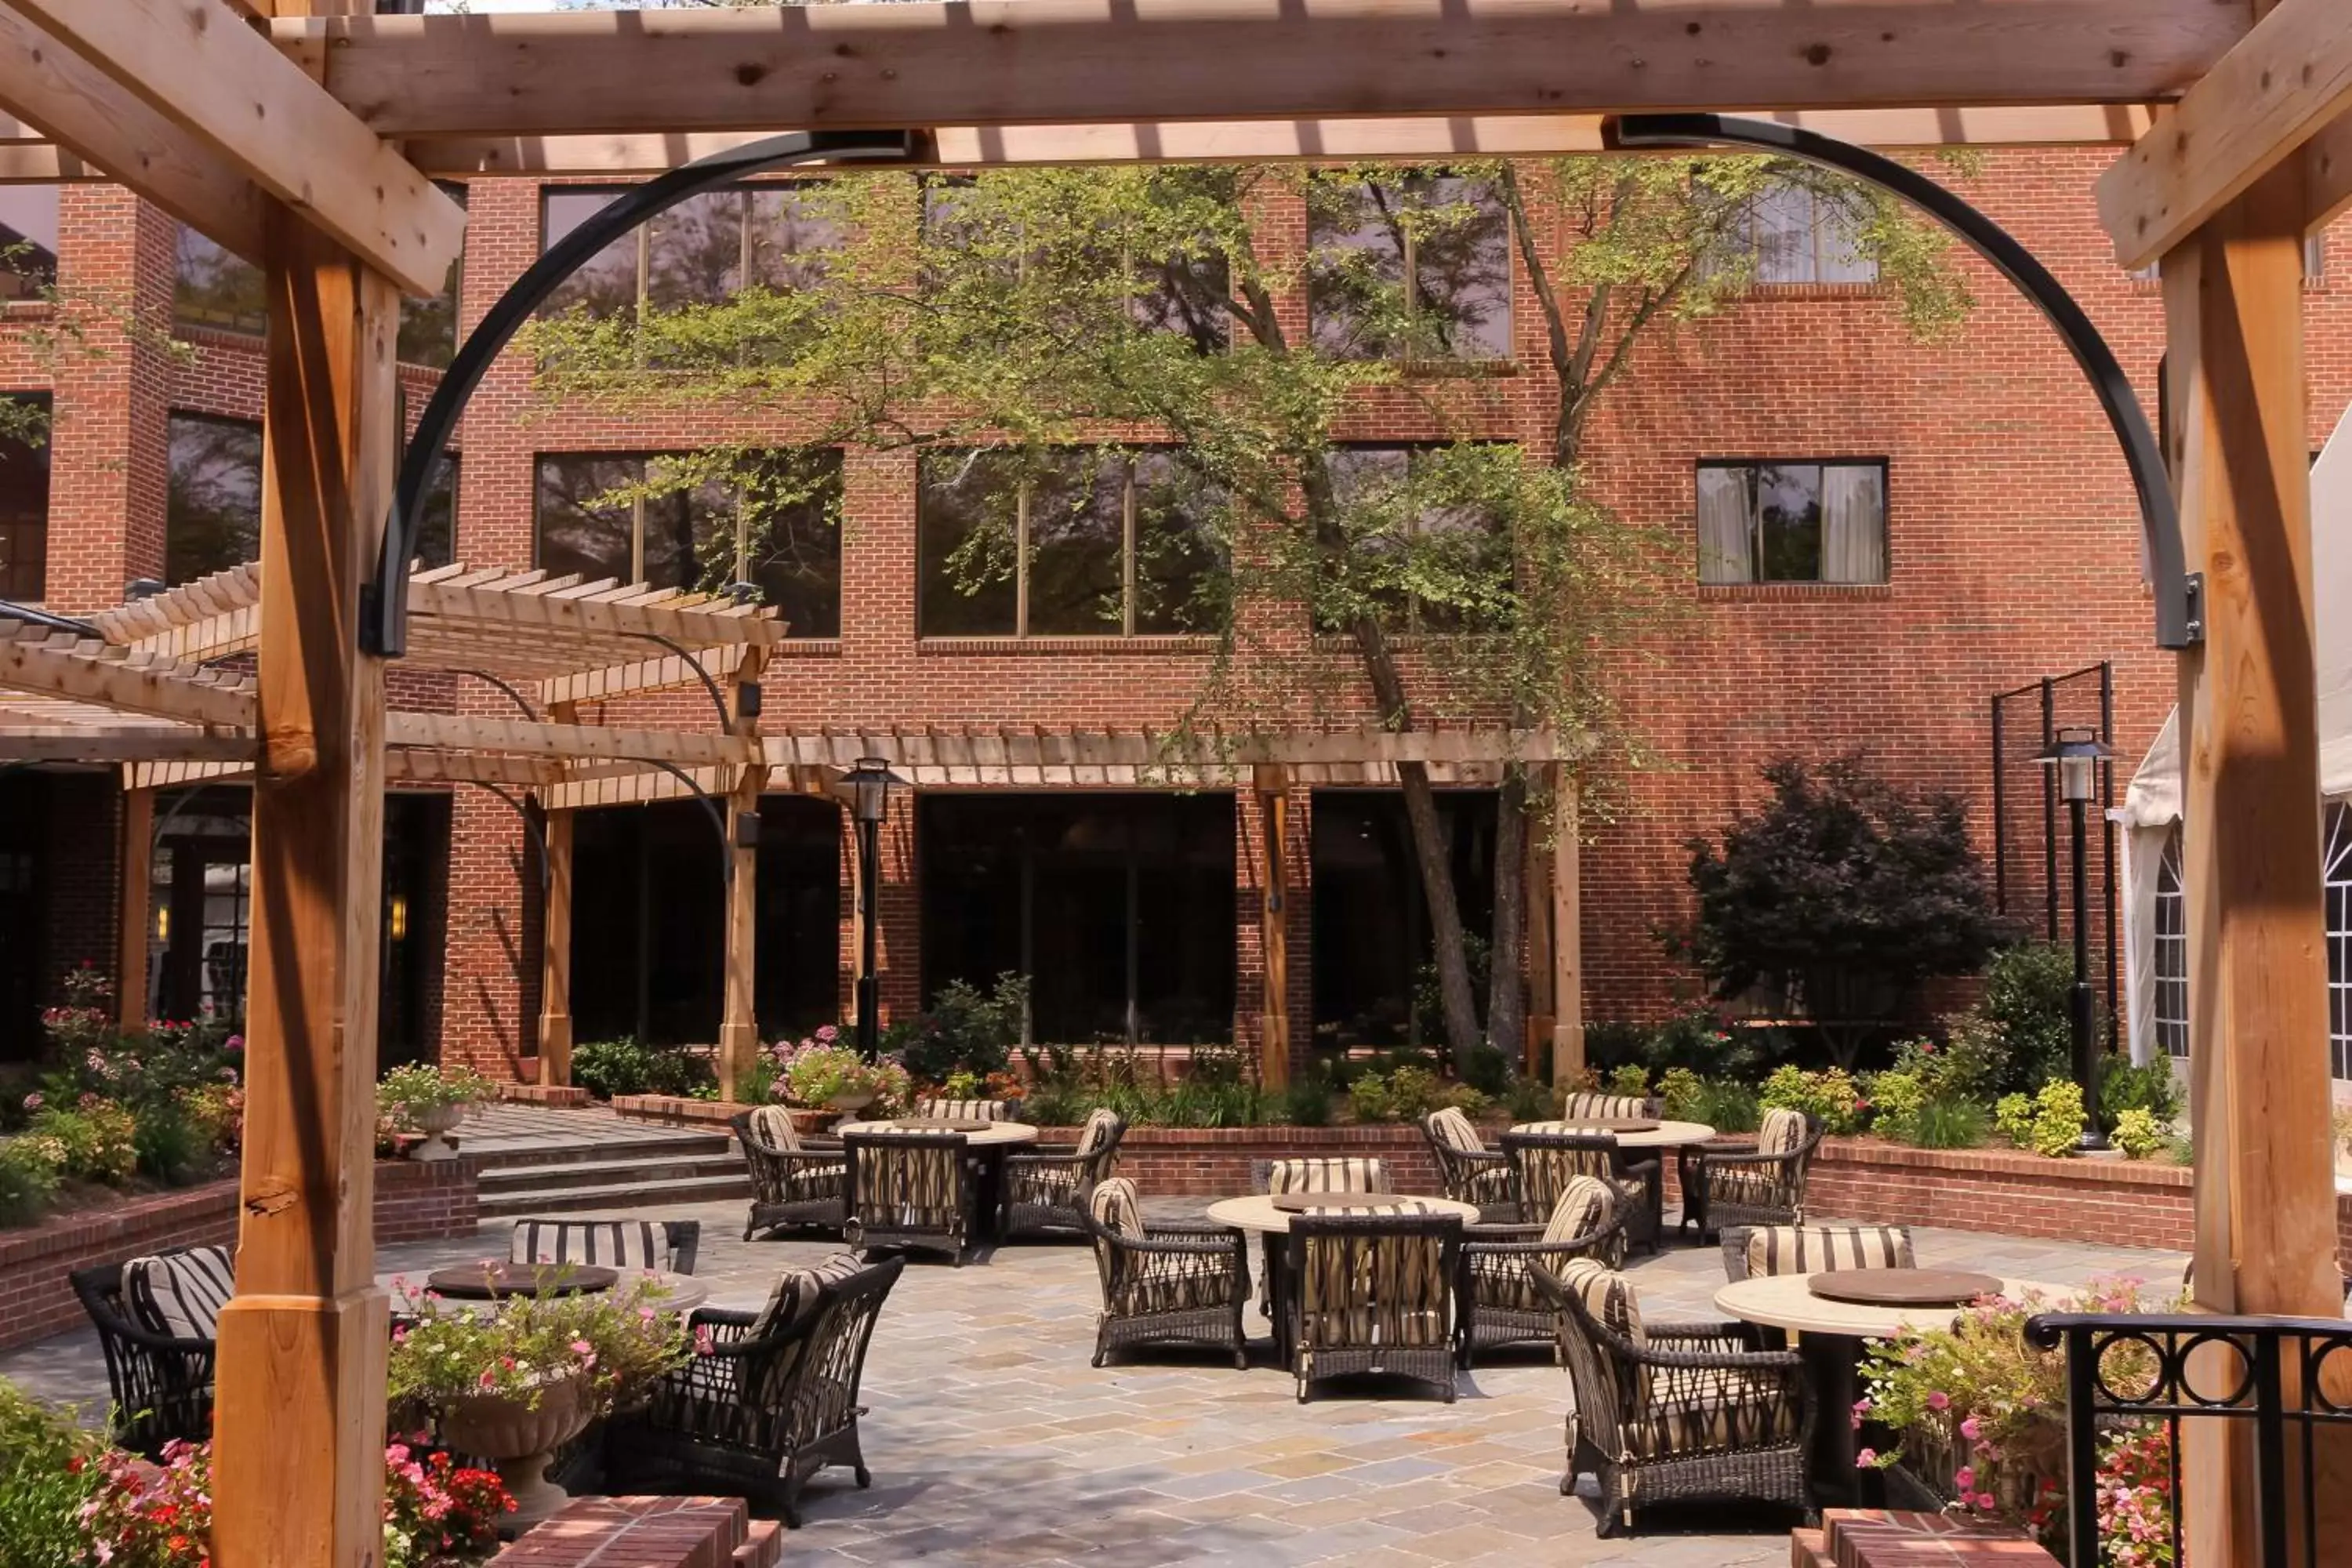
<point>1417,267</point>
<point>1794,233</point>
<point>428,327</point>
<point>2171,956</point>
<point>24,499</point>
<point>216,288</point>
<point>1092,541</point>
<point>778,529</point>
<point>437,533</point>
<point>1397,513</point>
<point>699,252</point>
<point>1119,907</point>
<point>2338,862</point>
<point>1375,980</point>
<point>213,514</point>
<point>1792,521</point>
<point>28,240</point>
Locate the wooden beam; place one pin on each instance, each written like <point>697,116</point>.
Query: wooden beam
<point>200,66</point>
<point>634,786</point>
<point>60,664</point>
<point>453,732</point>
<point>1049,62</point>
<point>137,880</point>
<point>641,675</point>
<point>298,1457</point>
<point>738,1023</point>
<point>1273,927</point>
<point>77,106</point>
<point>123,743</point>
<point>2254,109</point>
<point>1536,868</point>
<point>2327,175</point>
<point>421,765</point>
<point>1567,933</point>
<point>45,163</point>
<point>555,955</point>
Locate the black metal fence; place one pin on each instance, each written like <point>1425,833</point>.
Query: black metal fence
<point>2030,869</point>
<point>2162,1369</point>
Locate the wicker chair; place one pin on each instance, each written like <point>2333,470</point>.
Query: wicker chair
<point>1762,1183</point>
<point>1674,1412</point>
<point>1045,1189</point>
<point>1323,1174</point>
<point>162,1384</point>
<point>1545,1159</point>
<point>668,1246</point>
<point>1590,1105</point>
<point>1473,1173</point>
<point>771,1403</point>
<point>1497,1303</point>
<point>1756,1251</point>
<point>1373,1292</point>
<point>1164,1284</point>
<point>910,1189</point>
<point>794,1184</point>
<point>936,1108</point>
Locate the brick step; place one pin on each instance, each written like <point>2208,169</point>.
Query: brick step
<point>614,1149</point>
<point>626,1194</point>
<point>606,1173</point>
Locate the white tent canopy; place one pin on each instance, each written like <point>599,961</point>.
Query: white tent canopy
<point>2152,804</point>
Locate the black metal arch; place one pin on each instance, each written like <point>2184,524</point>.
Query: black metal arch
<point>2180,615</point>
<point>383,605</point>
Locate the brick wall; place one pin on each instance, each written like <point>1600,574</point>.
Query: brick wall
<point>649,1532</point>
<point>2110,1202</point>
<point>412,1202</point>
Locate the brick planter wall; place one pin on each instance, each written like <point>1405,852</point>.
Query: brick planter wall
<point>1215,1161</point>
<point>2112,1202</point>
<point>412,1202</point>
<point>649,1532</point>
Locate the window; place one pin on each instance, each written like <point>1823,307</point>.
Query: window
<point>1078,541</point>
<point>436,532</point>
<point>1792,522</point>
<point>778,529</point>
<point>28,240</point>
<point>1119,907</point>
<point>212,287</point>
<point>212,518</point>
<point>1374,978</point>
<point>2171,956</point>
<point>699,252</point>
<point>1795,235</point>
<point>428,328</point>
<point>1400,521</point>
<point>1418,268</point>
<point>24,498</point>
<point>2338,863</point>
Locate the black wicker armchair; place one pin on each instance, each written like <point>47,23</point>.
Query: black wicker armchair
<point>771,1401</point>
<point>911,1189</point>
<point>1164,1284</point>
<point>1373,1292</point>
<point>162,1384</point>
<point>1045,1190</point>
<point>938,1108</point>
<point>794,1184</point>
<point>668,1246</point>
<point>1674,1412</point>
<point>1473,1173</point>
<point>1762,1183</point>
<point>1544,1159</point>
<point>1498,1303</point>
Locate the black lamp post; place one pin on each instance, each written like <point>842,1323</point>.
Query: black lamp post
<point>2076,754</point>
<point>869,782</point>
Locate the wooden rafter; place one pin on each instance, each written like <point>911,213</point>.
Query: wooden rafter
<point>123,744</point>
<point>456,732</point>
<point>242,103</point>
<point>128,680</point>
<point>1011,62</point>
<point>1009,748</point>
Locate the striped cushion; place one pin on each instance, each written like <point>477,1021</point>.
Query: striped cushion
<point>606,1242</point>
<point>1454,1130</point>
<point>180,1293</point>
<point>1361,1289</point>
<point>1328,1174</point>
<point>1608,1296</point>
<point>962,1111</point>
<point>1817,1248</point>
<point>1102,1125</point>
<point>1781,1133</point>
<point>1608,1107</point>
<point>1114,1206</point>
<point>796,1294</point>
<point>1724,1413</point>
<point>773,1125</point>
<point>1585,1206</point>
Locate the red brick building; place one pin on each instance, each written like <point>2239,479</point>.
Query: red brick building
<point>1972,530</point>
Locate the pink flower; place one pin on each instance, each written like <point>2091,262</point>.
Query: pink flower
<point>1970,1428</point>
<point>704,1342</point>
<point>1866,1460</point>
<point>33,1102</point>
<point>234,1043</point>
<point>1986,1501</point>
<point>1965,1476</point>
<point>488,1377</point>
<point>828,1033</point>
<point>1937,1399</point>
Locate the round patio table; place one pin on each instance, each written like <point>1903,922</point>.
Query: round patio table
<point>1831,1337</point>
<point>1258,1214</point>
<point>985,1143</point>
<point>680,1292</point>
<point>1660,1134</point>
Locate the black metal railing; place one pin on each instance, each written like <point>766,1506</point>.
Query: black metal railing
<point>2167,1368</point>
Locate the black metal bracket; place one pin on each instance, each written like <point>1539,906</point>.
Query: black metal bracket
<point>2179,619</point>
<point>384,603</point>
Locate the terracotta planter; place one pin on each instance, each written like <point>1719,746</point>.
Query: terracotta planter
<point>436,1122</point>
<point>519,1440</point>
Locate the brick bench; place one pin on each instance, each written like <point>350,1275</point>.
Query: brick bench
<point>649,1532</point>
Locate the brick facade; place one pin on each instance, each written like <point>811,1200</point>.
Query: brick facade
<point>2012,538</point>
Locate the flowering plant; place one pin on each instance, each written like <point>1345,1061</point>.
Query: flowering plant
<point>1832,1095</point>
<point>421,1086</point>
<point>616,1340</point>
<point>820,1069</point>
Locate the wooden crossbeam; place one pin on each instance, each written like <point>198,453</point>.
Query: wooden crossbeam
<point>643,675</point>
<point>2258,106</point>
<point>998,756</point>
<point>93,671</point>
<point>633,788</point>
<point>2327,173</point>
<point>452,731</point>
<point>123,743</point>
<point>77,106</point>
<point>1076,62</point>
<point>200,66</point>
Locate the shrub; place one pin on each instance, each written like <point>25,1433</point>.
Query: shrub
<point>609,1068</point>
<point>1631,1082</point>
<point>1948,1122</point>
<point>2012,1117</point>
<point>2025,997</point>
<point>1616,1042</point>
<point>168,1144</point>
<point>1830,1095</point>
<point>1529,1101</point>
<point>48,1474</point>
<point>217,1113</point>
<point>1308,1101</point>
<point>2139,1133</point>
<point>1975,1059</point>
<point>2058,1119</point>
<point>1678,1092</point>
<point>28,1179</point>
<point>1368,1099</point>
<point>2125,1087</point>
<point>1896,1098</point>
<point>1728,1106</point>
<point>967,1028</point>
<point>93,1142</point>
<point>1471,1102</point>
<point>1486,1069</point>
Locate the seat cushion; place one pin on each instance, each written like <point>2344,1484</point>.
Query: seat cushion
<point>1816,1248</point>
<point>796,1291</point>
<point>1585,1204</point>
<point>1328,1174</point>
<point>607,1244</point>
<point>1783,1133</point>
<point>1606,1107</point>
<point>1609,1297</point>
<point>1729,1416</point>
<point>961,1110</point>
<point>1454,1130</point>
<point>180,1293</point>
<point>1103,1125</point>
<point>1113,1203</point>
<point>773,1125</point>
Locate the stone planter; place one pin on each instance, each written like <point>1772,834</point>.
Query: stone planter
<point>521,1440</point>
<point>849,1104</point>
<point>436,1121</point>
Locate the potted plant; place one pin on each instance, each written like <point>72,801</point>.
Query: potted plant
<point>2343,1129</point>
<point>820,1071</point>
<point>514,1381</point>
<point>422,1098</point>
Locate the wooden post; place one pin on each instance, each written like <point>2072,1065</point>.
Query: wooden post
<point>1567,936</point>
<point>1273,927</point>
<point>298,1471</point>
<point>2264,1192</point>
<point>555,955</point>
<point>138,884</point>
<point>1536,868</point>
<point>739,1025</point>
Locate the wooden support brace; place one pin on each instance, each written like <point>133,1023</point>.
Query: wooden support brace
<point>739,1025</point>
<point>131,921</point>
<point>1273,927</point>
<point>1567,934</point>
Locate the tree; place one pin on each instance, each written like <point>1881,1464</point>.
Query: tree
<point>1842,893</point>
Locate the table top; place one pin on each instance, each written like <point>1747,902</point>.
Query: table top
<point>1787,1302</point>
<point>994,1133</point>
<point>680,1292</point>
<point>495,1281</point>
<point>1256,1213</point>
<point>1665,1135</point>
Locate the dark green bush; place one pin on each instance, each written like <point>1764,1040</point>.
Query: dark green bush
<point>2123,1086</point>
<point>1727,1106</point>
<point>1308,1101</point>
<point>966,1030</point>
<point>170,1146</point>
<point>1949,1122</point>
<point>28,1179</point>
<point>2025,997</point>
<point>607,1067</point>
<point>1486,1069</point>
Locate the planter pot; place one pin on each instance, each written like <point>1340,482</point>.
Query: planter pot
<point>436,1123</point>
<point>520,1440</point>
<point>851,1103</point>
<point>812,1121</point>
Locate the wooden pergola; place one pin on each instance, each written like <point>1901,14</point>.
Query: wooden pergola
<point>302,136</point>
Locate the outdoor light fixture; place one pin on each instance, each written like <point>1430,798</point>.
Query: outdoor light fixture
<point>2075,754</point>
<point>396,917</point>
<point>869,782</point>
<point>164,924</point>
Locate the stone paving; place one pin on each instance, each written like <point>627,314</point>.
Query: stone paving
<point>992,1442</point>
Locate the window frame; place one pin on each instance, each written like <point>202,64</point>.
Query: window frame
<point>1408,281</point>
<point>1884,464</point>
<point>31,566</point>
<point>2336,889</point>
<point>1815,229</point>
<point>178,416</point>
<point>2168,953</point>
<point>642,235</point>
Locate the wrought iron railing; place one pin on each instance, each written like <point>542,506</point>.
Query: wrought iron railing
<point>2168,1368</point>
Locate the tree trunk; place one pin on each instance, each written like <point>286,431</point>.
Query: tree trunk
<point>1506,991</point>
<point>1436,860</point>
